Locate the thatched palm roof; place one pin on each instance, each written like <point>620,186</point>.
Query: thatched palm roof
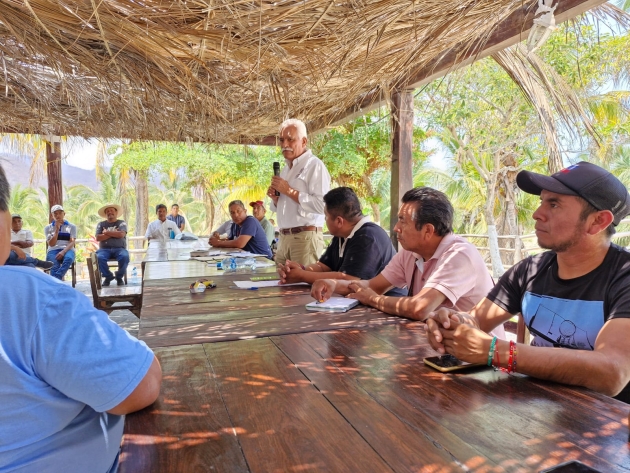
<point>228,70</point>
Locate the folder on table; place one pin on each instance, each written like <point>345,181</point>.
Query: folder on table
<point>334,304</point>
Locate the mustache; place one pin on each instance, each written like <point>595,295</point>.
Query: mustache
<point>287,149</point>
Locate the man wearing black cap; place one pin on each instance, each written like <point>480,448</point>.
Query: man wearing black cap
<point>574,299</point>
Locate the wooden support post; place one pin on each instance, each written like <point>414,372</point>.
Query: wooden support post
<point>53,168</point>
<point>402,143</point>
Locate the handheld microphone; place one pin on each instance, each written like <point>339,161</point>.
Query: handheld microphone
<point>276,171</point>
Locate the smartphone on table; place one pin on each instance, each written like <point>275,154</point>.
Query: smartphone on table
<point>570,467</point>
<point>447,363</point>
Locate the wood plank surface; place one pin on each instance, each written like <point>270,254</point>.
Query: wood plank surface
<point>161,315</point>
<point>283,422</point>
<point>187,428</point>
<point>506,418</point>
<point>179,293</point>
<point>300,322</point>
<point>405,447</point>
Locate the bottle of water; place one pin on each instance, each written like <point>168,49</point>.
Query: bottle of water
<point>233,264</point>
<point>134,275</point>
<point>171,234</point>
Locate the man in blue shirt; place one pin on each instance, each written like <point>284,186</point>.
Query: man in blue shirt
<point>60,236</point>
<point>246,232</point>
<point>69,374</point>
<point>179,220</point>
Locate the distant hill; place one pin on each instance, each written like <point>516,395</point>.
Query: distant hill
<point>17,171</point>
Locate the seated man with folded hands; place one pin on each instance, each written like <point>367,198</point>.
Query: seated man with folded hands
<point>437,268</point>
<point>574,298</point>
<point>360,249</point>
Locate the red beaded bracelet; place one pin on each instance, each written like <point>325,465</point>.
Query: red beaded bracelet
<point>514,359</point>
<point>496,367</point>
<point>511,364</point>
<point>510,358</point>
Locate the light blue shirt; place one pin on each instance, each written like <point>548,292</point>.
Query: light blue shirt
<point>62,365</point>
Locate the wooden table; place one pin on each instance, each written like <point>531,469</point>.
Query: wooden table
<point>294,391</point>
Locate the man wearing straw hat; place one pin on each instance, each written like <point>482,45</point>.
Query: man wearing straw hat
<point>111,235</point>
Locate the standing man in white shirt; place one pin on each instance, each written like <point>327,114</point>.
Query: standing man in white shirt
<point>160,229</point>
<point>302,184</point>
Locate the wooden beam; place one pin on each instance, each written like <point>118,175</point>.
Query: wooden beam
<point>402,143</point>
<point>512,30</point>
<point>53,169</point>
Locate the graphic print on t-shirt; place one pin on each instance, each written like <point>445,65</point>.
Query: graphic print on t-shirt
<point>562,322</point>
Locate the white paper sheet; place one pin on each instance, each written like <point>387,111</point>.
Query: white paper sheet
<point>274,283</point>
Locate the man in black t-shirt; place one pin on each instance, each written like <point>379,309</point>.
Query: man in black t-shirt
<point>360,249</point>
<point>575,299</point>
<point>111,235</point>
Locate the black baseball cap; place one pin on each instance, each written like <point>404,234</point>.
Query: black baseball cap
<point>594,184</point>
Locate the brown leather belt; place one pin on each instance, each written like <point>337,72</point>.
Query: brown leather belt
<point>309,228</point>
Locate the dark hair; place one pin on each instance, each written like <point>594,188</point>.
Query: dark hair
<point>236,202</point>
<point>174,205</point>
<point>432,206</point>
<point>5,192</point>
<point>588,209</point>
<point>343,202</point>
<point>160,206</point>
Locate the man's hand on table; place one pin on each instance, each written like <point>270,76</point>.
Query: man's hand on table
<point>361,291</point>
<point>457,333</point>
<point>322,289</point>
<point>290,272</point>
<point>214,239</point>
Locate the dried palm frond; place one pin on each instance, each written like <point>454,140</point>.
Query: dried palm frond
<point>218,70</point>
<point>550,96</point>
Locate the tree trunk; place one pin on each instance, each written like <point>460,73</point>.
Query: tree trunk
<point>495,254</point>
<point>208,202</point>
<point>376,213</point>
<point>142,201</point>
<point>493,236</point>
<point>53,170</point>
<point>402,144</point>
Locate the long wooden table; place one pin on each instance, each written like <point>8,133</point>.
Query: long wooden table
<point>288,390</point>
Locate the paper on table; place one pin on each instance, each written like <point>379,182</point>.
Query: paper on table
<point>264,264</point>
<point>250,284</point>
<point>245,254</point>
<point>204,253</point>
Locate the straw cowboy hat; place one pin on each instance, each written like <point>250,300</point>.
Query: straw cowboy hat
<point>101,211</point>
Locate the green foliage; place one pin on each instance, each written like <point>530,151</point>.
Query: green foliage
<point>358,155</point>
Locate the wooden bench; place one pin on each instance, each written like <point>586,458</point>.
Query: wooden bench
<point>106,297</point>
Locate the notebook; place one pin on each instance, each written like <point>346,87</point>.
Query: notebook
<point>334,304</point>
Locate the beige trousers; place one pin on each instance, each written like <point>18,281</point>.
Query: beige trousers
<point>303,248</point>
